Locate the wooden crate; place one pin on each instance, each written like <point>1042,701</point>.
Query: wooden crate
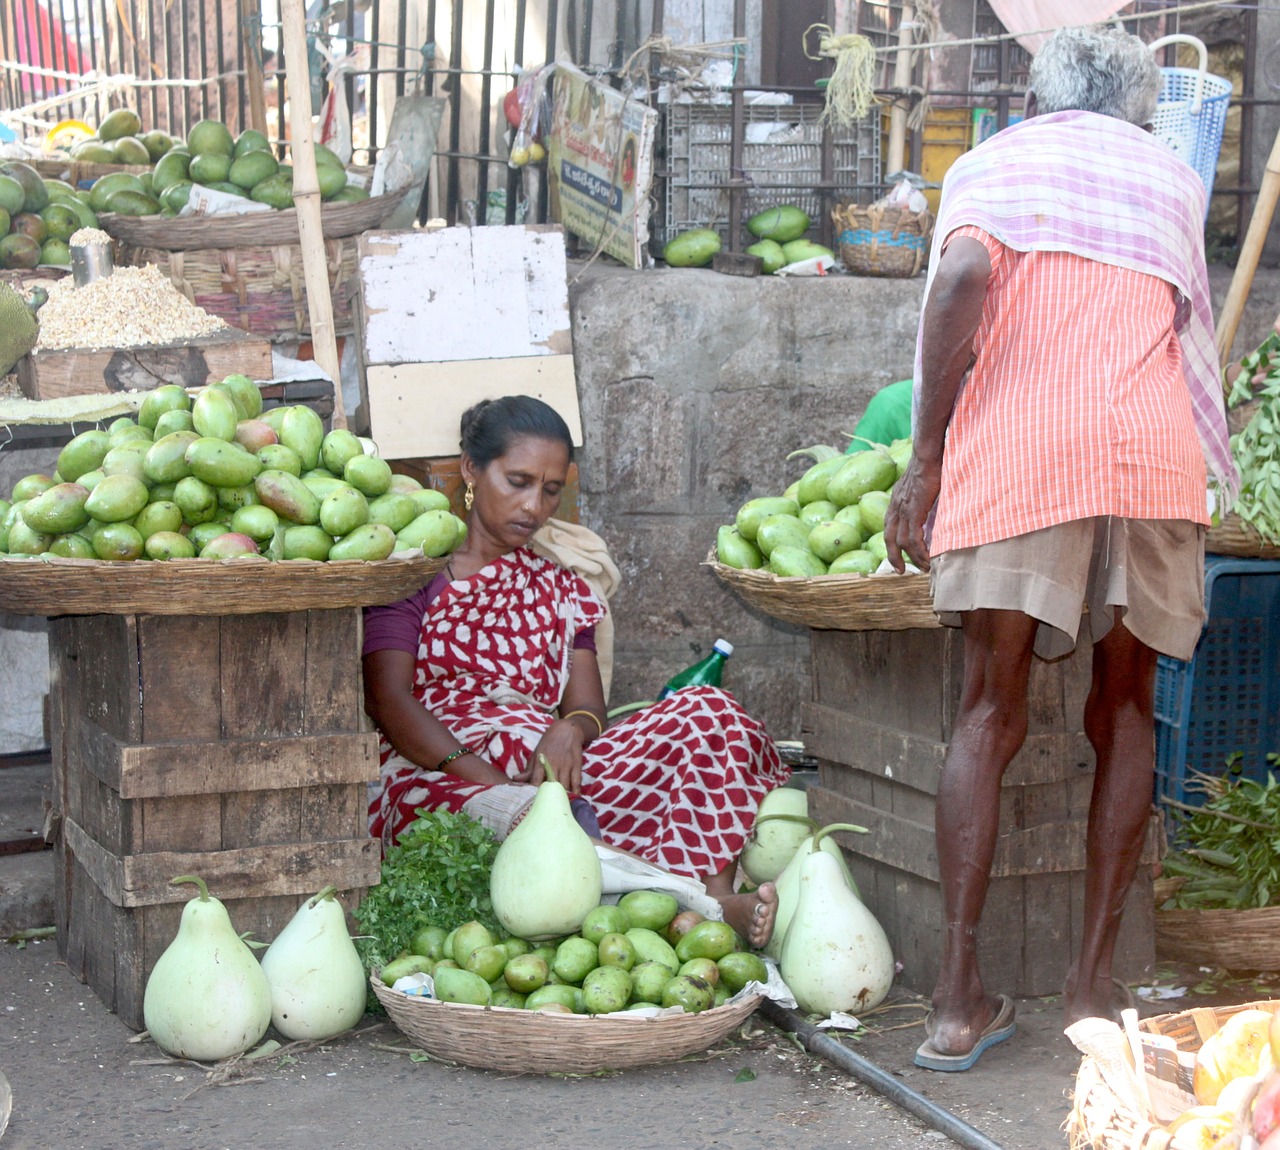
<point>53,373</point>
<point>885,704</point>
<point>232,747</point>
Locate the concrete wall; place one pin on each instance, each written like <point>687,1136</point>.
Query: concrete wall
<point>694,387</point>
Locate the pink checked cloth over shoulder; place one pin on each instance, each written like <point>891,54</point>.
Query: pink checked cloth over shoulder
<point>1108,191</point>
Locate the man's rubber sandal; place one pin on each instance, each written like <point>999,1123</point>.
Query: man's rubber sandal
<point>1002,1026</point>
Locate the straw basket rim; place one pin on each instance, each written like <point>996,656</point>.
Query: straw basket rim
<point>1234,536</point>
<point>51,585</point>
<point>1246,939</point>
<point>530,1042</point>
<point>254,229</point>
<point>835,602</point>
<point>1100,1120</point>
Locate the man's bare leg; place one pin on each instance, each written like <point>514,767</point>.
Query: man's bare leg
<point>989,732</point>
<point>1119,721</point>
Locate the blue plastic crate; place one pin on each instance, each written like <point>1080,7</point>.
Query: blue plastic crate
<point>1227,698</point>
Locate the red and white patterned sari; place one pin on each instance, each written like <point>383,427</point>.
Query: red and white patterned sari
<point>677,783</point>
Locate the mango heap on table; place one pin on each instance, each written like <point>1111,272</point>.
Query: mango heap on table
<point>829,522</point>
<point>218,478</point>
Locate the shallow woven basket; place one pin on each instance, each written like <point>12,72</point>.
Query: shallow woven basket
<point>261,290</point>
<point>1233,536</point>
<point>185,233</point>
<point>1230,939</point>
<point>1100,1118</point>
<point>47,585</point>
<point>880,241</point>
<point>835,602</point>
<point>530,1042</point>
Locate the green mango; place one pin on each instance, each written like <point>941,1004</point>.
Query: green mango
<point>649,979</point>
<point>754,512</point>
<point>168,545</point>
<point>116,498</point>
<point>72,546</point>
<point>157,516</point>
<point>394,509</point>
<point>796,562</point>
<point>199,501</point>
<point>709,939</point>
<point>434,532</point>
<point>740,967</point>
<point>215,414</point>
<point>166,459</point>
<point>84,453</point>
<point>118,542</point>
<point>287,496</point>
<point>857,562</point>
<point>652,947</point>
<point>343,510</point>
<point>461,986</point>
<point>58,510</point>
<point>306,542</point>
<point>649,909</point>
<point>337,447</point>
<point>867,471</point>
<point>277,457</point>
<point>827,540</point>
<point>256,521</point>
<point>781,531</point>
<point>371,542</point>
<point>275,191</point>
<point>694,994</point>
<point>301,429</point>
<point>557,994</point>
<point>782,224</point>
<point>873,507</point>
<point>367,474</point>
<point>605,990</point>
<point>171,421</point>
<point>222,464</point>
<point>734,551</point>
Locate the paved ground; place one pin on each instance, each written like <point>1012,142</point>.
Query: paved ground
<point>82,1081</point>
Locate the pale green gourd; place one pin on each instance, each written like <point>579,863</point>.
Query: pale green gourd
<point>782,823</point>
<point>207,997</point>
<point>835,955</point>
<point>316,977</point>
<point>787,883</point>
<point>546,874</point>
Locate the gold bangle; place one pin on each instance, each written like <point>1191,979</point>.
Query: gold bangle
<point>590,715</point>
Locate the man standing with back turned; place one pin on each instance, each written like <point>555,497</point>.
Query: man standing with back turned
<point>1068,407</point>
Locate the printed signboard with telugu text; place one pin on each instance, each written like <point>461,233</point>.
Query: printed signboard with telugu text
<point>600,165</point>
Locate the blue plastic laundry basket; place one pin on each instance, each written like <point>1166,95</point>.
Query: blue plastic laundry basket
<point>1227,698</point>
<point>1191,112</point>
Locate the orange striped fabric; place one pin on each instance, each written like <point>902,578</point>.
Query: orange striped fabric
<point>1076,405</point>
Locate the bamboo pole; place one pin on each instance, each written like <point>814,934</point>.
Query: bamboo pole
<point>897,151</point>
<point>306,198</point>
<point>1250,253</point>
<point>250,23</point>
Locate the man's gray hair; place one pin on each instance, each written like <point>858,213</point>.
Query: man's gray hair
<point>1101,69</point>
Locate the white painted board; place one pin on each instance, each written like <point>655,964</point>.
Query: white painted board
<point>464,294</point>
<point>415,408</point>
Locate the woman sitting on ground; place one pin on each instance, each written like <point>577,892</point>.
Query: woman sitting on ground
<point>493,665</point>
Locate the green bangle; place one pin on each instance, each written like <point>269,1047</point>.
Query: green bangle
<point>440,766</point>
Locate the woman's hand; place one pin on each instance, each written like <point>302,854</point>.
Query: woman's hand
<point>561,743</point>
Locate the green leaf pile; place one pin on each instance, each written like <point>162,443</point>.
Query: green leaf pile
<point>1228,850</point>
<point>1256,447</point>
<point>438,872</point>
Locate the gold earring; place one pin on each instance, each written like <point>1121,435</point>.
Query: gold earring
<point>469,496</point>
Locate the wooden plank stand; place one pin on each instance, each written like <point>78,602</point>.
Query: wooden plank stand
<point>232,747</point>
<point>885,705</point>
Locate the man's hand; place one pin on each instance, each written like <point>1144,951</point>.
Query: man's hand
<point>913,498</point>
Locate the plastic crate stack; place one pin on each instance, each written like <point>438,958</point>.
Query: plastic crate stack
<point>1227,698</point>
<point>782,163</point>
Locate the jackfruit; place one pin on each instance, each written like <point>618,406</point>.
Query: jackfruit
<point>18,326</point>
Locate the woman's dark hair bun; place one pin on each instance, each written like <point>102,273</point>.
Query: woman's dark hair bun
<point>488,427</point>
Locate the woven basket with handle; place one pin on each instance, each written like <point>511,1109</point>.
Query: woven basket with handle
<point>533,1042</point>
<point>882,241</point>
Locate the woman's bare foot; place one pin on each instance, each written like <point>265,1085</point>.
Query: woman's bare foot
<point>752,915</point>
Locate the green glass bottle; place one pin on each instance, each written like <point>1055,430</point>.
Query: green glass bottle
<point>704,673</point>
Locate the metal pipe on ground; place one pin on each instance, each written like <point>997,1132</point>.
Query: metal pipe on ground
<point>881,1081</point>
